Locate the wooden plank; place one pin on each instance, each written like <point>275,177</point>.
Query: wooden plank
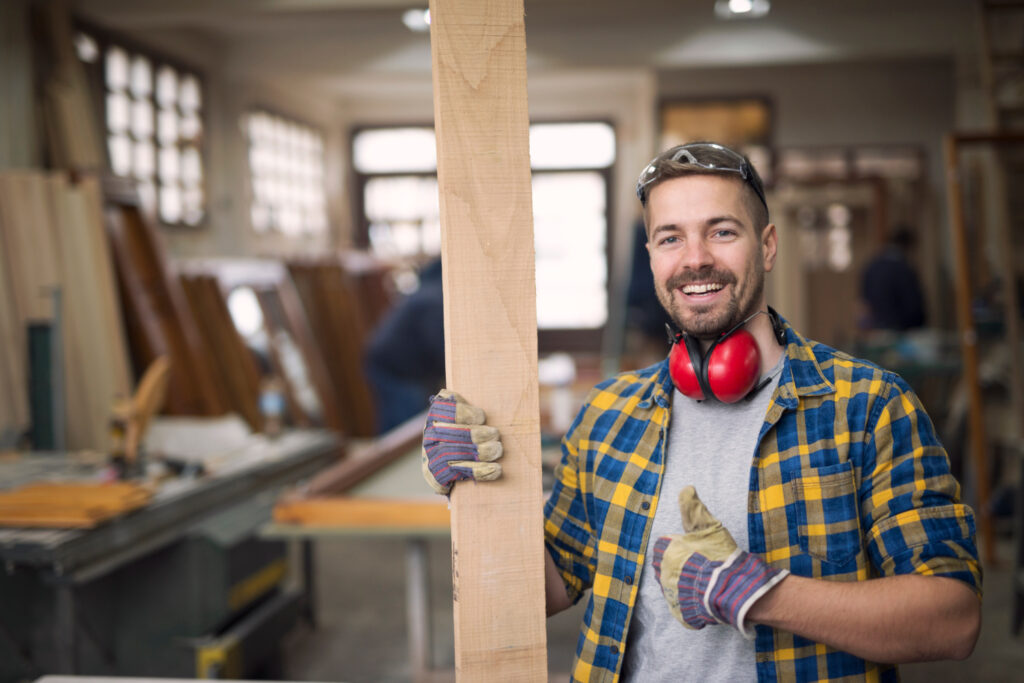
<point>14,412</point>
<point>480,115</point>
<point>69,504</point>
<point>365,513</point>
<point>337,322</point>
<point>97,372</point>
<point>157,317</point>
<point>367,460</point>
<point>233,364</point>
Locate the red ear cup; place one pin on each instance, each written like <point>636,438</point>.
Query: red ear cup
<point>733,367</point>
<point>684,375</point>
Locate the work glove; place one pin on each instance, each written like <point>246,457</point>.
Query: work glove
<point>705,577</point>
<point>457,444</point>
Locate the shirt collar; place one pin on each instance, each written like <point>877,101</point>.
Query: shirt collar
<point>801,375</point>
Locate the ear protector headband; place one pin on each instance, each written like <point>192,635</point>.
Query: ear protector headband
<point>728,371</point>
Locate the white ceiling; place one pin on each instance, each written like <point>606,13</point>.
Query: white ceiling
<point>330,44</point>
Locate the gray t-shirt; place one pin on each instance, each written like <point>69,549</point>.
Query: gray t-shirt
<point>711,447</point>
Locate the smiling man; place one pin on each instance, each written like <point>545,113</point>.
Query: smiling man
<point>757,506</point>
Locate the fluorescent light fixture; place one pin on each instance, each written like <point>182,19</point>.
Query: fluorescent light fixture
<point>741,9</point>
<point>417,20</point>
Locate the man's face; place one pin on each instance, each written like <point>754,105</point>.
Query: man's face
<point>708,259</point>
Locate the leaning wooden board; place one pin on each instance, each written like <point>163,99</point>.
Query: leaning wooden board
<point>483,164</point>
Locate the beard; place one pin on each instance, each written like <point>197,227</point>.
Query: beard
<point>712,320</point>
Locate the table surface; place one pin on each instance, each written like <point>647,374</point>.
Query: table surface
<point>250,464</point>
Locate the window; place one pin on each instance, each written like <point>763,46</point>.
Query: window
<point>286,168</point>
<point>153,114</point>
<point>396,173</point>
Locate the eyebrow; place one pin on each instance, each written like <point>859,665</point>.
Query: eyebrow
<point>711,222</point>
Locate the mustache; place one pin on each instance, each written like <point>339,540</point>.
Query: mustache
<point>688,277</point>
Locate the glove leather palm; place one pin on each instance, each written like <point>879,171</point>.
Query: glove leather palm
<point>457,444</point>
<point>705,577</point>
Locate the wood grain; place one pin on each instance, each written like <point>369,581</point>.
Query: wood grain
<point>70,504</point>
<point>157,316</point>
<point>481,119</point>
<point>340,512</point>
<point>97,372</point>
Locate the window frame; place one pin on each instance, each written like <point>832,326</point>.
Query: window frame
<point>258,108</point>
<point>550,339</point>
<point>106,38</point>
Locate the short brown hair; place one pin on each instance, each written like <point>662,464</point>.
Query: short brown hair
<point>705,158</point>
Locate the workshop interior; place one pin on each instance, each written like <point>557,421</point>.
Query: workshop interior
<point>221,312</point>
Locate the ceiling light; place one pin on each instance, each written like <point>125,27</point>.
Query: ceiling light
<point>741,9</point>
<point>417,20</point>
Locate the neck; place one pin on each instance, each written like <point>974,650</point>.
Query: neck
<point>760,325</point>
<point>764,334</point>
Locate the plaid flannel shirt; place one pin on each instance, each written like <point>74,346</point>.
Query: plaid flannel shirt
<point>848,482</point>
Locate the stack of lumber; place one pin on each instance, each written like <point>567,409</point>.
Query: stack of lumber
<point>372,279</point>
<point>157,315</point>
<point>233,364</point>
<point>69,504</point>
<point>52,236</point>
<point>339,325</point>
<point>288,349</point>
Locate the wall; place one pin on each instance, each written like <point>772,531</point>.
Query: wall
<point>899,102</point>
<point>18,114</point>
<point>231,90</point>
<point>623,97</point>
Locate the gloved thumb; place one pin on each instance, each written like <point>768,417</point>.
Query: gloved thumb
<point>696,516</point>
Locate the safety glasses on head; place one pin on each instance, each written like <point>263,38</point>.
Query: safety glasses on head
<point>722,159</point>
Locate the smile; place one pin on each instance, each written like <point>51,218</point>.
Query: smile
<point>702,288</point>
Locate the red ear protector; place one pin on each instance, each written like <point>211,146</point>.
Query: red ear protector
<point>728,371</point>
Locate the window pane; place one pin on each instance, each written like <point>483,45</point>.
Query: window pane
<point>118,112</point>
<point>190,127</point>
<point>287,180</point>
<point>571,145</point>
<point>143,160</point>
<point>390,150</point>
<point>167,126</point>
<point>141,77</point>
<point>117,69</point>
<point>120,154</point>
<point>142,119</point>
<point>170,203</point>
<point>189,98</point>
<point>570,228</point>
<point>170,165</point>
<point>166,87</point>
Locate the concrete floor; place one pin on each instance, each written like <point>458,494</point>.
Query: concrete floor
<point>361,636</point>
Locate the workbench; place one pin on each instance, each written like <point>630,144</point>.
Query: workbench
<point>65,560</point>
<point>393,503</point>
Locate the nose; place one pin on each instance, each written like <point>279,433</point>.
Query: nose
<point>696,255</point>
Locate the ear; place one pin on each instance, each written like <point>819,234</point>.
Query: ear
<point>769,246</point>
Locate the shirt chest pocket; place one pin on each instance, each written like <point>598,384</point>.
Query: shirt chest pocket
<point>827,518</point>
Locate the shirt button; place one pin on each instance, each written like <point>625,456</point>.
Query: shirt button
<point>629,580</point>
<point>615,649</point>
<point>645,505</point>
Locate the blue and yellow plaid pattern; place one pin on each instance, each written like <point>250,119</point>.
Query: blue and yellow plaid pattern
<point>848,482</point>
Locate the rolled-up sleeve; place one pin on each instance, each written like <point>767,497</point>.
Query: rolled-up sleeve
<point>910,501</point>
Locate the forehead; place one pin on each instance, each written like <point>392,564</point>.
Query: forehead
<point>695,198</point>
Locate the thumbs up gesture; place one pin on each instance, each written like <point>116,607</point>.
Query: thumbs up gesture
<point>705,577</point>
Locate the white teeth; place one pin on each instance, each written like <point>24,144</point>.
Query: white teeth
<point>701,289</point>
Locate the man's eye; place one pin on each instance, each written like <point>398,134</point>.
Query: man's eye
<point>725,232</point>
<point>669,240</point>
